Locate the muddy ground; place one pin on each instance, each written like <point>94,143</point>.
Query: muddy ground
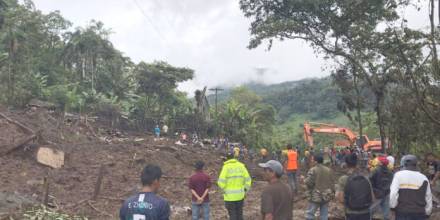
<point>123,157</point>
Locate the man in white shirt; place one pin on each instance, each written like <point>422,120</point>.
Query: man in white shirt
<point>410,195</point>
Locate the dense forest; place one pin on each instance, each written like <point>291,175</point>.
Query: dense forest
<point>79,70</point>
<point>385,81</point>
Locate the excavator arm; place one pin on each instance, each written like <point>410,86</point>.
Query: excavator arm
<point>326,129</point>
<point>311,127</point>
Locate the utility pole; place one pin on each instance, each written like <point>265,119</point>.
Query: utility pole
<point>216,90</point>
<point>216,93</point>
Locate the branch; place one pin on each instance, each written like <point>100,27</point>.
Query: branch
<point>23,127</point>
<point>419,98</point>
<point>99,211</point>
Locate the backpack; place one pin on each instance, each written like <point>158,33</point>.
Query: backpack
<point>383,182</point>
<point>357,193</point>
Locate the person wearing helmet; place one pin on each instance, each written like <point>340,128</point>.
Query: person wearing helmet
<point>264,155</point>
<point>236,151</point>
<point>410,192</point>
<point>380,180</point>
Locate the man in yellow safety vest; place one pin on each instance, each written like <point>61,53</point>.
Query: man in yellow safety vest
<point>235,181</point>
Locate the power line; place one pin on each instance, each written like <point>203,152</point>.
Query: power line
<point>156,29</point>
<point>167,18</point>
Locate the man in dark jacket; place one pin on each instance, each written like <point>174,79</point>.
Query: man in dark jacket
<point>356,199</point>
<point>380,181</point>
<point>410,195</point>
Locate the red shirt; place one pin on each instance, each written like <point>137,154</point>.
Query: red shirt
<point>199,182</point>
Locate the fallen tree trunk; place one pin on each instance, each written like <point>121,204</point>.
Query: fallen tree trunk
<point>23,127</point>
<point>7,150</point>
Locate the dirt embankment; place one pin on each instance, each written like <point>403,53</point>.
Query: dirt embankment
<point>72,186</point>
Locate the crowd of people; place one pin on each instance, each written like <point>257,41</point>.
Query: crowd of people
<point>366,187</point>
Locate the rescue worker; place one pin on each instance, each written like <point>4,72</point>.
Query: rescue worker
<point>264,156</point>
<point>373,163</point>
<point>291,166</point>
<point>235,182</point>
<point>380,180</point>
<point>236,151</point>
<point>391,160</point>
<point>410,195</point>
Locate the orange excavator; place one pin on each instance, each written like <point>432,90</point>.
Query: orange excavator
<point>352,137</point>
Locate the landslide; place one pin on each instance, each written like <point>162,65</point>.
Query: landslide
<point>87,148</point>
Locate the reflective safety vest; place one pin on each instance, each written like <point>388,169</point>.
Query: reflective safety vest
<point>292,160</point>
<point>234,180</point>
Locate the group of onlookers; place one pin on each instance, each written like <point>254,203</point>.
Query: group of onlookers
<point>407,192</point>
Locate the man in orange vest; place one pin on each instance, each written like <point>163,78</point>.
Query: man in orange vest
<point>291,166</point>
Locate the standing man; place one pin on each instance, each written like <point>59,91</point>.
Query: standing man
<point>264,156</point>
<point>291,168</point>
<point>372,163</point>
<point>410,195</point>
<point>433,169</point>
<point>146,205</point>
<point>236,151</point>
<point>319,182</point>
<point>165,129</point>
<point>235,181</point>
<point>199,184</point>
<point>276,199</point>
<point>381,179</point>
<point>354,191</point>
<point>157,131</point>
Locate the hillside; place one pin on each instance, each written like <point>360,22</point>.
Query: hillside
<point>305,100</point>
<point>317,97</point>
<point>259,88</point>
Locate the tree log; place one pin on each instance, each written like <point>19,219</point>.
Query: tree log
<point>20,144</point>
<point>23,127</point>
<point>98,183</point>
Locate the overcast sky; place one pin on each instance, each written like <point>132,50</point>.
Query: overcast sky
<point>209,36</point>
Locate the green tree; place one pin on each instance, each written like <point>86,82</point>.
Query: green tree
<point>346,30</point>
<point>245,118</point>
<point>157,83</point>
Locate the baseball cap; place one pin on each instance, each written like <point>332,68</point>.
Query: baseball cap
<point>274,165</point>
<point>408,160</point>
